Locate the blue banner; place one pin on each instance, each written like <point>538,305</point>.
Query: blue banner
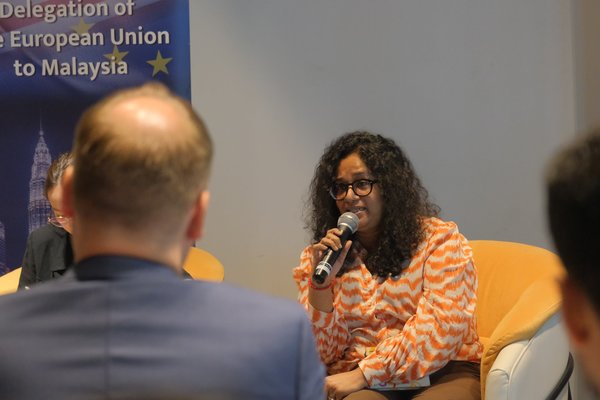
<point>56,58</point>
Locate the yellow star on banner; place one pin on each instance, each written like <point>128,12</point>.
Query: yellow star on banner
<point>82,27</point>
<point>116,55</point>
<point>160,64</point>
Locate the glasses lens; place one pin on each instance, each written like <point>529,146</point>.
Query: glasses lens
<point>338,191</point>
<point>54,221</point>
<point>58,221</point>
<point>362,187</point>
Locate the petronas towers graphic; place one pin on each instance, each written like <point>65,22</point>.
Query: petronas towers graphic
<point>3,267</point>
<point>38,208</point>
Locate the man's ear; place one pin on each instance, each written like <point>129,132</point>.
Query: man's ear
<point>578,313</point>
<point>67,207</point>
<point>196,225</point>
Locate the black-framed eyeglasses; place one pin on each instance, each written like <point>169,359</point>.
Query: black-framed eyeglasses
<point>361,187</point>
<point>58,221</point>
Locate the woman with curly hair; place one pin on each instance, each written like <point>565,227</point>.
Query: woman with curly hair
<point>395,318</point>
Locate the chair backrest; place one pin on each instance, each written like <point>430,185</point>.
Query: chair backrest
<point>201,264</point>
<point>10,282</point>
<point>518,291</point>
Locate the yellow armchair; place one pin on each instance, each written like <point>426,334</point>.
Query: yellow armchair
<point>518,316</point>
<point>201,264</point>
<point>10,282</point>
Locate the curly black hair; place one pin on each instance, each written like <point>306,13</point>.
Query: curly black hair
<point>405,200</point>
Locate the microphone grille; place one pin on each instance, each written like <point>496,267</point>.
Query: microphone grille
<point>350,220</point>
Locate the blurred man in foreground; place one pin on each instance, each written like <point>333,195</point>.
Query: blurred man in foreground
<point>121,324</point>
<point>573,188</point>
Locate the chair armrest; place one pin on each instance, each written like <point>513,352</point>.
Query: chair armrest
<point>536,305</point>
<point>527,369</point>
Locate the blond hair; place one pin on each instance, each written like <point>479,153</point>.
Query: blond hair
<point>135,179</point>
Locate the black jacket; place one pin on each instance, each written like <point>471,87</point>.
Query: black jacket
<point>48,255</point>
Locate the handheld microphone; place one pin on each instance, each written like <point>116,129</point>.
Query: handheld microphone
<point>348,224</point>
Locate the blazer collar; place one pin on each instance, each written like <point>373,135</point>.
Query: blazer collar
<point>112,267</point>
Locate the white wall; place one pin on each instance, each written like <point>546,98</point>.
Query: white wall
<point>586,33</point>
<point>479,93</point>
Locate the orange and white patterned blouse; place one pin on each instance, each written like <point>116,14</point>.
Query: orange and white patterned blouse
<point>400,329</point>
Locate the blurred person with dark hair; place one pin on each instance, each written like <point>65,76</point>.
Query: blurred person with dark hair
<point>49,253</point>
<point>120,323</point>
<point>573,203</point>
<point>397,311</point>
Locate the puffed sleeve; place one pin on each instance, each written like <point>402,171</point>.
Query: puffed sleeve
<point>330,328</point>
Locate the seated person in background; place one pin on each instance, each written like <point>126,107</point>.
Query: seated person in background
<point>48,252</point>
<point>120,323</point>
<point>573,196</point>
<point>399,304</point>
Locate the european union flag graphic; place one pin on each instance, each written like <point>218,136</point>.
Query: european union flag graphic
<point>56,58</point>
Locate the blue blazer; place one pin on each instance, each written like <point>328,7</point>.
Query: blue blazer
<point>125,328</point>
